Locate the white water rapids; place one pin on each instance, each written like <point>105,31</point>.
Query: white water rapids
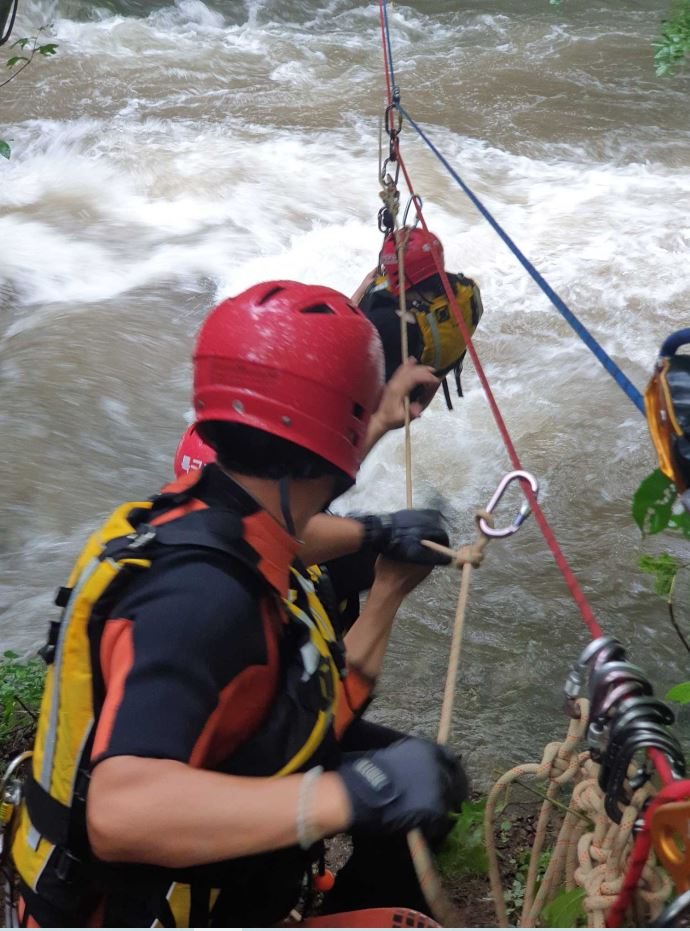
<point>169,155</point>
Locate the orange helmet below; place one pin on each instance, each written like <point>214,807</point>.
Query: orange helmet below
<point>296,361</point>
<point>192,453</point>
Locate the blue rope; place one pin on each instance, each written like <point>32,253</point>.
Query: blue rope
<point>622,380</point>
<point>394,86</point>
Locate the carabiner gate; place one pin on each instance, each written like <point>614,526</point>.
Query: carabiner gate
<point>524,511</point>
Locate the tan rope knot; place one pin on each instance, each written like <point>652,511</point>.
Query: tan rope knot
<point>591,851</point>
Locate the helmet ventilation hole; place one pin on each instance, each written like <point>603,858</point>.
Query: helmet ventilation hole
<point>269,294</point>
<point>318,309</point>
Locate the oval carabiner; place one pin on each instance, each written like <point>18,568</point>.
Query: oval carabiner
<point>524,511</point>
<point>416,199</point>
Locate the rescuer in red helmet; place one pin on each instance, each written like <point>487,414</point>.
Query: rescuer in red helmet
<point>193,662</point>
<point>434,337</point>
<point>397,535</point>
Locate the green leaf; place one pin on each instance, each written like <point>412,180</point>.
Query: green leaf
<point>652,506</point>
<point>680,521</point>
<point>565,910</point>
<point>664,568</point>
<point>679,693</point>
<point>10,654</point>
<point>48,49</point>
<point>463,852</point>
<point>22,43</point>
<point>11,62</point>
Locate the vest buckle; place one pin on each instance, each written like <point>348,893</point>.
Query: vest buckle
<point>142,538</point>
<point>66,866</point>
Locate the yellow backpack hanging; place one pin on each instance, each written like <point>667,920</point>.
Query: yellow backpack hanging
<point>444,345</point>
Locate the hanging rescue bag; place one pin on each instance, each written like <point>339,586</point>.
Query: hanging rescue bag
<point>443,345</point>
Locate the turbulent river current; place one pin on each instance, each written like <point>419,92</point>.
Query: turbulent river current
<point>172,154</point>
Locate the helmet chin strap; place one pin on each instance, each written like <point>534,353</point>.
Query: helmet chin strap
<point>284,488</point>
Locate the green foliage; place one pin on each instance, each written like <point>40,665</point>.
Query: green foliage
<point>565,911</point>
<point>673,47</point>
<point>679,693</point>
<point>463,852</point>
<point>664,568</point>
<point>514,895</point>
<point>653,505</point>
<point>17,63</point>
<point>21,686</point>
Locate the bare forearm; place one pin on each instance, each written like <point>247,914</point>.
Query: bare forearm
<point>376,429</point>
<point>167,813</point>
<point>362,289</point>
<point>367,640</point>
<point>328,537</point>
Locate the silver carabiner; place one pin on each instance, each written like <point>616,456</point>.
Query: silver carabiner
<point>524,511</point>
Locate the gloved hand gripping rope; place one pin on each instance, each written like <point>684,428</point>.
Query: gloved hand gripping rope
<point>466,558</point>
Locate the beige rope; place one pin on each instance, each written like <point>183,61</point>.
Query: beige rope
<point>466,557</point>
<point>440,904</point>
<point>591,852</point>
<point>401,236</point>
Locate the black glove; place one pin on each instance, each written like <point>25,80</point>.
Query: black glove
<point>412,783</point>
<point>397,536</point>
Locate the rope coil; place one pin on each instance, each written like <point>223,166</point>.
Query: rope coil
<point>590,852</point>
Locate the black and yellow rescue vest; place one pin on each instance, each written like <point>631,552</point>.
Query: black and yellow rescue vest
<point>50,848</point>
<point>444,344</point>
<point>667,403</point>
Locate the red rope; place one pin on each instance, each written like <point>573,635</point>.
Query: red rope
<point>672,788</point>
<point>562,563</point>
<point>386,64</point>
<point>678,790</point>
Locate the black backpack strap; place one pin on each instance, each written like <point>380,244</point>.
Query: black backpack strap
<point>216,529</point>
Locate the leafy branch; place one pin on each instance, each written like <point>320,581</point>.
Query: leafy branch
<point>31,47</point>
<point>49,48</point>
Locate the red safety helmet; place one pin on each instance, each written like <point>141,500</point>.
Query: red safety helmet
<point>192,453</point>
<point>297,361</point>
<point>418,257</point>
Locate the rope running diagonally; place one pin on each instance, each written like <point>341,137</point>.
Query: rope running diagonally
<point>661,763</point>
<point>614,370</point>
<point>659,760</point>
